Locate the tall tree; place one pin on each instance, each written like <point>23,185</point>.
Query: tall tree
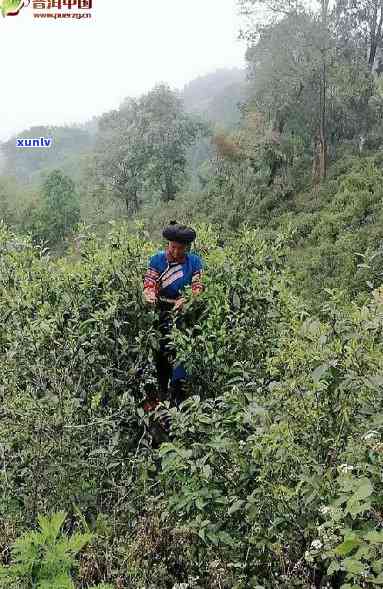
<point>288,63</point>
<point>360,25</point>
<point>121,153</point>
<point>298,43</point>
<point>324,48</point>
<point>309,77</point>
<point>143,146</point>
<point>59,210</point>
<point>170,133</point>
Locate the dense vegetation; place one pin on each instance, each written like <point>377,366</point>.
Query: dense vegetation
<point>272,475</point>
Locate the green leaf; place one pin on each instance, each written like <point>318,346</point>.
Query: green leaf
<point>200,503</point>
<point>77,542</point>
<point>207,472</point>
<point>333,568</point>
<point>166,448</point>
<point>319,372</point>
<point>202,533</point>
<point>376,380</point>
<point>355,507</point>
<point>236,301</point>
<point>347,546</point>
<point>352,566</point>
<point>225,538</point>
<point>212,537</point>
<point>236,506</point>
<point>50,526</point>
<point>364,489</point>
<point>374,537</point>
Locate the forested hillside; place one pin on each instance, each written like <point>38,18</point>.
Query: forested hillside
<point>69,146</point>
<point>271,474</point>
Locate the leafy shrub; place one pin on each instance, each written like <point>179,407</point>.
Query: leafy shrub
<point>279,399</point>
<point>44,559</point>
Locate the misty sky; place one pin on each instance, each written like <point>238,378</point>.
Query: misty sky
<point>55,72</point>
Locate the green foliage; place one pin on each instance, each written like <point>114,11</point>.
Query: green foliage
<point>58,212</point>
<point>45,558</point>
<point>16,202</point>
<point>281,402</point>
<point>143,146</point>
<point>334,232</point>
<point>350,539</point>
<point>171,132</point>
<point>271,476</point>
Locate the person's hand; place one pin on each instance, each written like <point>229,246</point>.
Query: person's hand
<point>179,303</point>
<point>150,297</point>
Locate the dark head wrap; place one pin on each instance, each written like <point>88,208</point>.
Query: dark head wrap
<point>179,233</point>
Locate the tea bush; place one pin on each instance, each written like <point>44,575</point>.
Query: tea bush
<point>251,490</point>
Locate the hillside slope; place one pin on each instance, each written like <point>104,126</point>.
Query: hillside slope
<point>272,476</point>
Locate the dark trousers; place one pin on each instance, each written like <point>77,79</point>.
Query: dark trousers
<point>165,358</point>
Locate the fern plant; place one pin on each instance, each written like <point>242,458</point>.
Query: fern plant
<point>44,559</point>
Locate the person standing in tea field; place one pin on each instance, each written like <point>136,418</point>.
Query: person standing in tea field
<point>168,273</point>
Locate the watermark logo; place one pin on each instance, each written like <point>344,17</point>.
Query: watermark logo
<point>62,9</point>
<point>53,9</point>
<point>37,142</point>
<point>12,7</point>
